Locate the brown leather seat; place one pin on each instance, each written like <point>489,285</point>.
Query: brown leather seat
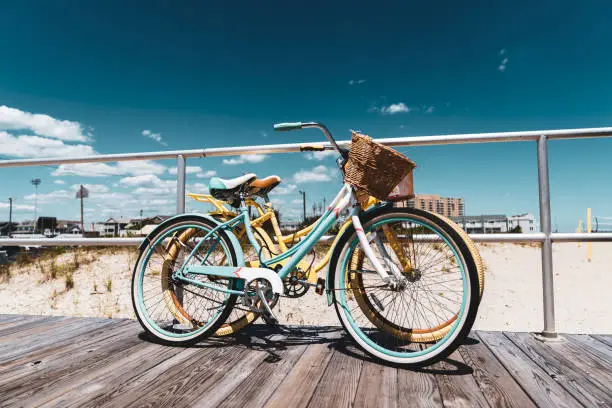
<point>265,185</point>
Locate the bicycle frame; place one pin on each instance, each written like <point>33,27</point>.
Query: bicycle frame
<point>282,240</point>
<point>341,202</point>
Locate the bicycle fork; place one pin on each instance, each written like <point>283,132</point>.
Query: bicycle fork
<point>389,273</point>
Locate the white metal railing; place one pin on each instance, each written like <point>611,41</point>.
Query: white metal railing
<point>545,237</point>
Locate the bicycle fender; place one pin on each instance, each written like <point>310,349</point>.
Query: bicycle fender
<point>331,269</point>
<point>195,216</point>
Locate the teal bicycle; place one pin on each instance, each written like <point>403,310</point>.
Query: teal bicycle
<point>394,272</point>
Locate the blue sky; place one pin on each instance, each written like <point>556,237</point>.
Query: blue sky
<point>91,77</point>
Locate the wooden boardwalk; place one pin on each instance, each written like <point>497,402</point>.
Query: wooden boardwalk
<point>66,362</point>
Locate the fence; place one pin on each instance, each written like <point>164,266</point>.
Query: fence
<point>545,237</point>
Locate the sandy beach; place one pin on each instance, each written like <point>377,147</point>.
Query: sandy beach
<point>512,297</point>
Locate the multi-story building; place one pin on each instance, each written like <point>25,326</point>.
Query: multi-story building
<point>446,206</point>
<point>489,224</point>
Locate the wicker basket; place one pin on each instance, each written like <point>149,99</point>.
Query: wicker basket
<point>378,170</point>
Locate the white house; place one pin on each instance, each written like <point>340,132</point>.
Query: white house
<point>526,221</point>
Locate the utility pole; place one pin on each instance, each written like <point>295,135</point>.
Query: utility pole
<point>10,216</point>
<point>82,193</point>
<point>35,182</point>
<point>303,193</point>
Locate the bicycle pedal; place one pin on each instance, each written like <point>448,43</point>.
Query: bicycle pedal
<point>320,288</point>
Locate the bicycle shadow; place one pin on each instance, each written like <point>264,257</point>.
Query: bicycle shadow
<point>272,339</point>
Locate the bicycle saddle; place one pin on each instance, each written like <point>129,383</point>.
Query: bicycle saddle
<point>263,186</point>
<point>229,189</point>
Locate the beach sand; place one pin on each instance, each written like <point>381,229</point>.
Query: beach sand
<point>512,297</point>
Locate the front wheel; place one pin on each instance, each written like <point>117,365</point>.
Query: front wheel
<point>178,311</point>
<point>438,287</point>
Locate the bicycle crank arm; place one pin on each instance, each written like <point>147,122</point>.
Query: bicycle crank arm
<point>245,273</point>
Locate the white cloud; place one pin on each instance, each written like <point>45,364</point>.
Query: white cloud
<point>356,81</point>
<point>206,174</point>
<point>140,180</point>
<point>188,170</point>
<point>297,201</point>
<point>246,158</point>
<point>41,124</point>
<point>283,190</point>
<point>92,188</point>
<point>157,187</point>
<point>59,182</point>
<point>154,136</point>
<point>319,173</point>
<point>52,197</point>
<point>199,188</point>
<point>504,61</point>
<point>18,207</point>
<point>394,108</point>
<point>36,146</point>
<point>102,169</point>
<point>321,155</point>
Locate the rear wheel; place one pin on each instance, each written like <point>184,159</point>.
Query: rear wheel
<point>174,311</point>
<point>428,312</point>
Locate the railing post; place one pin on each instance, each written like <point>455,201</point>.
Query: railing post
<point>180,209</point>
<point>180,184</point>
<point>545,226</point>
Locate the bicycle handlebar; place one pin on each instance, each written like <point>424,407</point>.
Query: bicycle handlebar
<point>285,127</point>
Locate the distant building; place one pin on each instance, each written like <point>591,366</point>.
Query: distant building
<point>526,221</point>
<point>69,227</point>
<point>111,227</point>
<point>446,206</point>
<point>497,223</point>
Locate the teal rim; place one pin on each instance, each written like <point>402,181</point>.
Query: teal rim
<point>141,278</point>
<point>343,302</point>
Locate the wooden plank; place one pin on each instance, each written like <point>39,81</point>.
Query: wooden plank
<point>72,369</point>
<point>496,384</point>
<point>457,386</point>
<point>220,385</point>
<point>143,382</point>
<point>338,385</point>
<point>57,353</point>
<point>140,357</point>
<point>606,339</point>
<point>59,334</point>
<point>542,389</point>
<point>10,319</point>
<point>592,357</point>
<point>256,389</point>
<point>417,388</point>
<point>28,324</point>
<point>304,376</point>
<point>377,386</point>
<point>555,359</point>
<point>179,377</point>
<point>593,345</point>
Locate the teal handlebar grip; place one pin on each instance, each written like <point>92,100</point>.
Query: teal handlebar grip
<point>285,127</point>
